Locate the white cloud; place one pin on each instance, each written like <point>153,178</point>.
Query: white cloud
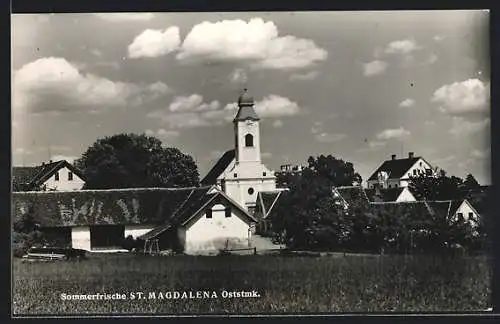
<point>481,154</point>
<point>277,123</point>
<point>256,41</point>
<point>462,126</point>
<point>374,68</point>
<point>317,127</point>
<point>402,47</point>
<point>276,106</point>
<point>438,38</point>
<point>469,97</point>
<point>96,52</point>
<point>154,43</point>
<point>407,103</point>
<point>126,16</point>
<point>37,84</point>
<point>193,102</point>
<point>167,133</point>
<point>395,133</point>
<point>191,111</point>
<point>238,76</point>
<point>329,137</point>
<point>304,76</point>
<point>432,59</point>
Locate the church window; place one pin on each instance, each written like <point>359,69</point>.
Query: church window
<point>263,174</point>
<point>235,175</point>
<point>250,191</point>
<point>228,212</point>
<point>248,140</point>
<point>209,213</point>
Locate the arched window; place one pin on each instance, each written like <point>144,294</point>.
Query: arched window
<point>248,140</point>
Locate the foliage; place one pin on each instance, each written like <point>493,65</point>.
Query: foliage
<point>136,161</point>
<point>439,187</point>
<point>286,284</point>
<point>470,183</point>
<point>129,243</point>
<point>25,234</point>
<point>337,171</point>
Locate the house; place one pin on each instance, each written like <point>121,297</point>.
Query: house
<point>59,175</point>
<point>240,173</point>
<point>199,220</point>
<point>396,173</point>
<point>397,194</point>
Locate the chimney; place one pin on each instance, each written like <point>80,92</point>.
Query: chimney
<point>393,157</point>
<point>410,155</point>
<point>50,161</point>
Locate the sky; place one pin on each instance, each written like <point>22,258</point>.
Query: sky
<point>360,86</point>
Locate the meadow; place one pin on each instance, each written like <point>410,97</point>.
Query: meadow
<point>286,284</point>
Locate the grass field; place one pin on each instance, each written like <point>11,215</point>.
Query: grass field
<point>285,284</point>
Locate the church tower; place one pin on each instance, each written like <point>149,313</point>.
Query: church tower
<point>248,176</point>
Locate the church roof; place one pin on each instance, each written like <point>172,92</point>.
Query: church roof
<point>219,167</point>
<point>246,110</point>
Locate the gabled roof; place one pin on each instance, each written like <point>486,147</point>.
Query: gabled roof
<point>395,168</point>
<point>353,194</point>
<point>31,177</point>
<point>219,167</point>
<point>246,112</point>
<point>388,194</point>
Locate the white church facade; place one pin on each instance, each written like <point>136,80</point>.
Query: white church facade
<point>240,173</point>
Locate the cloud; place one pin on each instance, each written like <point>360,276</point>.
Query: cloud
<point>466,98</point>
<point>37,84</point>
<point>162,133</point>
<point>193,102</point>
<point>432,59</point>
<point>396,133</point>
<point>126,16</point>
<point>255,41</point>
<point>481,154</point>
<point>407,103</point>
<point>329,137</point>
<point>373,146</point>
<point>276,106</point>
<point>438,38</point>
<point>374,68</point>
<point>317,127</point>
<point>238,76</point>
<point>403,47</point>
<point>462,126</point>
<point>191,111</point>
<point>277,123</point>
<point>96,52</point>
<point>154,43</point>
<point>304,77</point>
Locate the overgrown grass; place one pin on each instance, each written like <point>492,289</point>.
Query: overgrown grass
<point>286,284</point>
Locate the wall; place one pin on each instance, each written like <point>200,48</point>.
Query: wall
<point>208,235</point>
<point>238,190</point>
<point>80,237</point>
<point>137,230</point>
<point>465,209</point>
<point>248,153</point>
<point>405,195</point>
<point>64,183</point>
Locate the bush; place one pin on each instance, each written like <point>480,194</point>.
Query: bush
<point>130,243</point>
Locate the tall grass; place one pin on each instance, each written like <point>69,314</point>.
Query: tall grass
<point>286,284</point>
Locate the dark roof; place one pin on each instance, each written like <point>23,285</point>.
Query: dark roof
<point>352,194</point>
<point>418,209</point>
<point>389,194</point>
<point>246,112</point>
<point>219,167</point>
<point>395,168</point>
<point>29,178</point>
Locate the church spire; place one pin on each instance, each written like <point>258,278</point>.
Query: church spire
<point>245,108</point>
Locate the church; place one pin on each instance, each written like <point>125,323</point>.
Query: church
<point>240,172</point>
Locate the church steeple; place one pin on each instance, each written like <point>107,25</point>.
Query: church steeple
<point>246,130</point>
<point>245,108</point>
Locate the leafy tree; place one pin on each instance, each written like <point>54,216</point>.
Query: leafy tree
<point>470,183</point>
<point>439,187</point>
<point>132,160</point>
<point>337,171</point>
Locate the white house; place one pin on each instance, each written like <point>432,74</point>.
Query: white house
<point>396,173</point>
<point>240,172</point>
<point>55,176</point>
<point>462,210</point>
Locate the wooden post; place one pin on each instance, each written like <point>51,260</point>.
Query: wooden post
<point>255,251</point>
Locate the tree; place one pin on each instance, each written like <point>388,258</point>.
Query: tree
<point>471,183</point>
<point>439,187</point>
<point>337,171</point>
<point>136,161</point>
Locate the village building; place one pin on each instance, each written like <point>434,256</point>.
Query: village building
<point>240,173</point>
<point>396,194</point>
<point>52,176</point>
<point>396,173</point>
